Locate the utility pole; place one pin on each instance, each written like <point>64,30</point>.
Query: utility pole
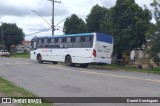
<point>2,35</point>
<point>53,29</point>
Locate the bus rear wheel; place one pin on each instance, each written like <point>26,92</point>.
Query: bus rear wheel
<point>84,65</point>
<point>68,61</point>
<point>39,58</point>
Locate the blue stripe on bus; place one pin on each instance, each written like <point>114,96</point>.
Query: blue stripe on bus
<point>104,38</point>
<point>68,35</point>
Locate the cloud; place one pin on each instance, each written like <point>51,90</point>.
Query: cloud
<point>59,11</point>
<point>142,3</point>
<point>19,8</point>
<point>108,3</point>
<point>12,10</point>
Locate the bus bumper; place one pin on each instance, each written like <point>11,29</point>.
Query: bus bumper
<point>99,60</point>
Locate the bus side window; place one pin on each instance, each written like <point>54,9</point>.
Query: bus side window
<point>77,42</point>
<point>59,43</point>
<point>39,43</point>
<point>68,42</point>
<point>42,43</point>
<point>78,39</point>
<point>34,45</point>
<point>52,42</point>
<point>60,40</point>
<point>87,38</point>
<point>88,41</point>
<point>45,43</point>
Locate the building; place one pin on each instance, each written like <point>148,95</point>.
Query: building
<point>24,47</point>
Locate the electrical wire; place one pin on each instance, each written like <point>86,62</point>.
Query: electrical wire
<point>43,30</point>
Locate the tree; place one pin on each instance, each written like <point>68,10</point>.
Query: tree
<point>155,38</point>
<point>155,48</point>
<point>95,18</point>
<point>12,34</point>
<point>128,23</point>
<point>74,24</point>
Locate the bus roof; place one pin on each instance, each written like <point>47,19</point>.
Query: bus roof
<point>69,35</point>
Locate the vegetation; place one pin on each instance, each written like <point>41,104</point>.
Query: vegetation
<point>20,55</point>
<point>96,18</point>
<point>11,90</point>
<point>128,23</point>
<point>155,38</point>
<point>12,35</point>
<point>74,25</point>
<point>156,70</point>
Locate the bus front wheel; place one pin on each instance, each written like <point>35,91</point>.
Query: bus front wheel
<point>68,61</point>
<point>39,58</point>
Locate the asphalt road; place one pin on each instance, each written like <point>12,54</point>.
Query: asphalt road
<point>48,80</point>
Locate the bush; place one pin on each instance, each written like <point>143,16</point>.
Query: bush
<point>156,59</point>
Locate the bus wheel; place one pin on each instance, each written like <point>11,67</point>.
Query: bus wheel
<point>84,65</point>
<point>39,58</point>
<point>68,61</point>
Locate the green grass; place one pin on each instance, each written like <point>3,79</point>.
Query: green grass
<point>156,70</point>
<point>11,90</point>
<point>20,55</point>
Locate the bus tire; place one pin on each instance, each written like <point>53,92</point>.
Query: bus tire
<point>68,61</point>
<point>39,58</point>
<point>84,65</point>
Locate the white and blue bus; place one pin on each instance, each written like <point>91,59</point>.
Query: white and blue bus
<point>72,49</point>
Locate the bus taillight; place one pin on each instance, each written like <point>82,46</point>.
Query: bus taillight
<point>94,53</point>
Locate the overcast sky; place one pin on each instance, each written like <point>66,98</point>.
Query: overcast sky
<point>21,12</point>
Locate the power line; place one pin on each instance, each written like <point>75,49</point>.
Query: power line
<point>42,18</point>
<point>47,29</point>
<point>43,30</point>
<point>61,21</point>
